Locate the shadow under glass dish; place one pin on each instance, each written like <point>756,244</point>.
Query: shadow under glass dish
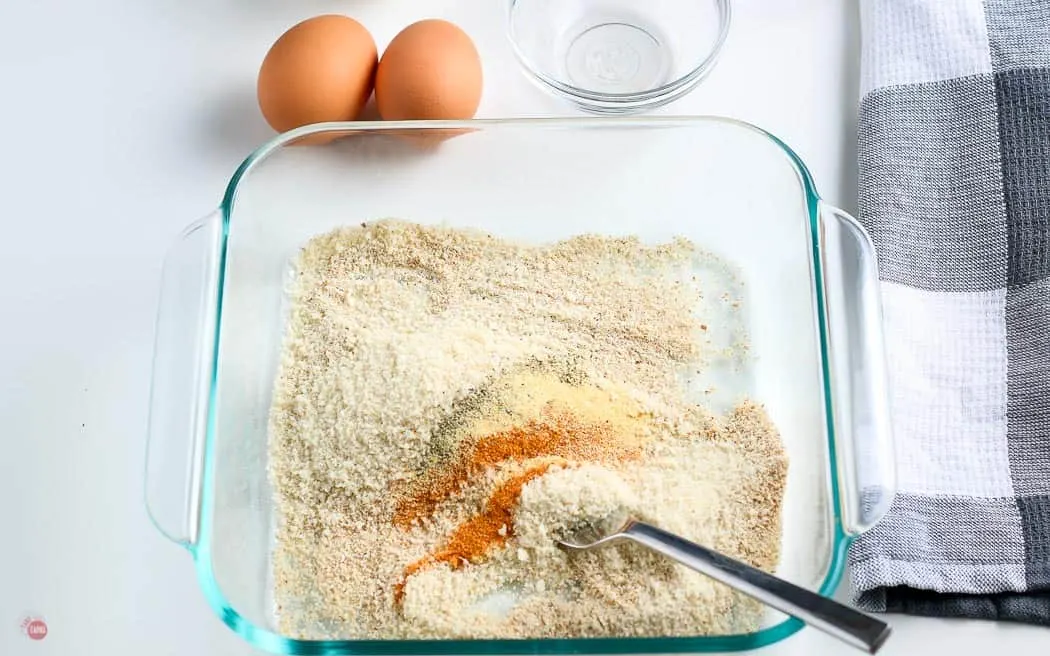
<point>618,56</point>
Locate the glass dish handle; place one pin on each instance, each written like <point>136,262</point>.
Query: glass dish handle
<point>182,364</point>
<point>857,379</point>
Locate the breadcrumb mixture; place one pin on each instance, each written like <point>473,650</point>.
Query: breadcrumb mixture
<point>450,404</point>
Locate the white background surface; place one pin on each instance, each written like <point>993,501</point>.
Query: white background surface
<point>123,120</point>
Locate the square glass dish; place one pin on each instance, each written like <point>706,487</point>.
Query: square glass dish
<point>809,288</point>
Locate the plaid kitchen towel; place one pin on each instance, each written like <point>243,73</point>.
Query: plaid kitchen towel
<point>954,143</point>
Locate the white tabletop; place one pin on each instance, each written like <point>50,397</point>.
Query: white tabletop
<point>123,121</point>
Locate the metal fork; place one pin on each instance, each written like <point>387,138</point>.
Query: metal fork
<point>838,620</point>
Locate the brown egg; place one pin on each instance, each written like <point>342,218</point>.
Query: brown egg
<point>320,70</point>
<point>431,70</point>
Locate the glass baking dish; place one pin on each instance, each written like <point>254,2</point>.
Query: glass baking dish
<point>810,292</point>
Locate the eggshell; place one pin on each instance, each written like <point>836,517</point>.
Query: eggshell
<point>431,70</point>
<point>320,70</point>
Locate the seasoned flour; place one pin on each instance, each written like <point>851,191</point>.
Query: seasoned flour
<point>449,404</point>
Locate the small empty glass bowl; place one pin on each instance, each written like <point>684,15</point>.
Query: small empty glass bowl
<point>618,56</point>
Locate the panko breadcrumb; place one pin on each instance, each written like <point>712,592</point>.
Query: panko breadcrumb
<point>426,369</point>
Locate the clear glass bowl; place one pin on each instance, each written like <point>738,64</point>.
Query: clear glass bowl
<point>618,56</point>
<point>811,299</point>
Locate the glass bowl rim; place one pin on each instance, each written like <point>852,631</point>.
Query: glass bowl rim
<point>639,99</point>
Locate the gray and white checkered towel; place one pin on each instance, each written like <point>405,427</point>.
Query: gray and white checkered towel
<point>955,190</point>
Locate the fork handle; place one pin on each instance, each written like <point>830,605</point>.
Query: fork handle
<point>838,620</point>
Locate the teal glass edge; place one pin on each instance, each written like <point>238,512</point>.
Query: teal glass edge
<point>269,641</point>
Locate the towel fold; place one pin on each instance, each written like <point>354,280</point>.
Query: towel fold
<point>954,146</point>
